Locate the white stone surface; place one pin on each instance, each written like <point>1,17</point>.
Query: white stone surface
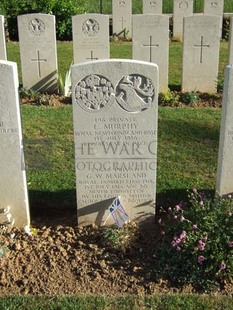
<point>181,9</point>
<point>214,7</point>
<point>38,52</point>
<point>201,45</point>
<point>151,43</point>
<point>115,132</point>
<point>230,54</point>
<point>14,208</point>
<point>90,37</point>
<point>3,55</point>
<point>224,185</point>
<point>122,17</point>
<point>152,6</point>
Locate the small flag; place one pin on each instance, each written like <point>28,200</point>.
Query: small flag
<point>118,212</point>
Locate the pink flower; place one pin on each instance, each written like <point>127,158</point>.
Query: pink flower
<point>173,243</point>
<point>183,234</point>
<point>177,207</point>
<point>178,248</point>
<point>222,266</point>
<point>169,209</point>
<point>201,203</point>
<point>201,245</point>
<point>182,218</point>
<point>162,233</point>
<point>160,221</point>
<point>200,259</point>
<point>229,196</point>
<point>230,244</point>
<point>230,214</point>
<point>194,226</point>
<point>175,217</point>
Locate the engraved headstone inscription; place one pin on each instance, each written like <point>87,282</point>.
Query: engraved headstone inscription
<point>115,132</point>
<point>14,209</point>
<point>201,45</point>
<point>90,37</point>
<point>152,6</point>
<point>2,39</point>
<point>214,7</point>
<point>122,17</point>
<point>151,43</point>
<point>224,185</point>
<point>38,52</point>
<point>181,9</point>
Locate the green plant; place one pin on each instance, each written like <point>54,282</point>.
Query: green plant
<point>116,237</point>
<point>220,85</point>
<point>28,93</point>
<point>197,242</point>
<point>62,9</point>
<point>168,98</point>
<point>189,97</point>
<point>65,87</point>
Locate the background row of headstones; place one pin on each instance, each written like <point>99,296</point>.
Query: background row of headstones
<point>201,45</point>
<point>115,115</point>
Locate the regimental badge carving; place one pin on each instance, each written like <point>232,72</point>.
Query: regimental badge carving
<point>153,3</point>
<point>183,5</point>
<point>121,3</point>
<point>214,4</point>
<point>135,93</point>
<point>36,26</point>
<point>90,27</point>
<point>94,93</point>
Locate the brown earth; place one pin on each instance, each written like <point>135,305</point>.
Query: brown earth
<point>66,260</point>
<point>72,260</point>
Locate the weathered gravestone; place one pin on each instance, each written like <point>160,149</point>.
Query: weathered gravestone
<point>14,208</point>
<point>214,7</point>
<point>122,17</point>
<point>224,184</point>
<point>201,45</point>
<point>37,39</point>
<point>152,6</point>
<point>90,37</point>
<point>115,132</point>
<point>2,39</point>
<point>151,43</point>
<point>230,54</point>
<point>181,9</point>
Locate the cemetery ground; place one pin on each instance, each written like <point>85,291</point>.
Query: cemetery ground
<point>61,259</point>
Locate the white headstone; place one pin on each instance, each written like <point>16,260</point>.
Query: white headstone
<point>181,9</point>
<point>14,208</point>
<point>214,7</point>
<point>152,6</point>
<point>201,45</point>
<point>224,184</point>
<point>37,39</point>
<point>115,132</point>
<point>230,54</point>
<point>122,17</point>
<point>90,37</point>
<point>2,39</point>
<point>151,43</point>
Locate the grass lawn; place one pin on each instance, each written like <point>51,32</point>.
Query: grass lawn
<point>159,302</point>
<point>121,50</point>
<point>187,157</point>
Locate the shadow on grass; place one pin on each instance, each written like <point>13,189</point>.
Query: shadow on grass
<point>170,198</point>
<point>59,208</point>
<point>53,208</point>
